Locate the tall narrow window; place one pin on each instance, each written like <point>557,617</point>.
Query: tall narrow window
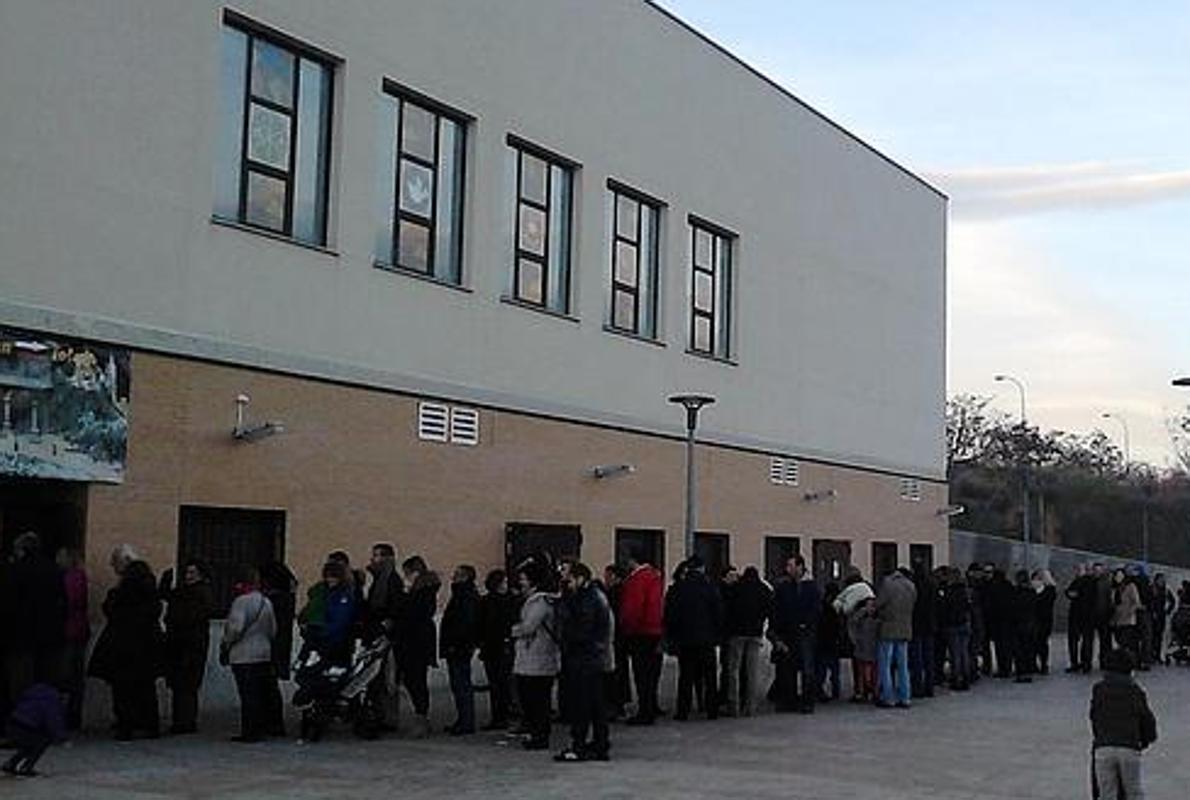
<point>541,240</point>
<point>710,291</point>
<point>634,258</point>
<point>425,150</point>
<point>274,139</point>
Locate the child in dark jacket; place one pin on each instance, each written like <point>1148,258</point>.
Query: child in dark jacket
<point>37,721</point>
<point>1123,726</point>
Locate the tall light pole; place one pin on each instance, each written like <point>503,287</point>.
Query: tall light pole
<point>1020,386</point>
<point>1026,523</point>
<point>1127,439</point>
<point>693,403</point>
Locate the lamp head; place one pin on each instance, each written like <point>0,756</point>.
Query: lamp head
<point>692,401</point>
<point>1182,382</point>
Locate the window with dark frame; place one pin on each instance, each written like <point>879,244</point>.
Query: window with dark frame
<point>710,289</point>
<point>274,143</point>
<point>427,148</point>
<point>634,261</point>
<point>541,239</point>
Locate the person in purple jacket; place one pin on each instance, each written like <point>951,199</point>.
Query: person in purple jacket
<point>37,721</point>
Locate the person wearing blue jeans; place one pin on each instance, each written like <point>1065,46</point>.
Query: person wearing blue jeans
<point>894,611</point>
<point>893,654</point>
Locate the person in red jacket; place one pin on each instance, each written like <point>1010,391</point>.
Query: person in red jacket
<point>640,618</point>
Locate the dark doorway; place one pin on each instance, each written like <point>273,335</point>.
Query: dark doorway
<point>777,552</point>
<point>54,510</point>
<point>226,539</point>
<point>648,541</point>
<point>921,555</point>
<point>884,560</point>
<point>715,551</point>
<point>523,539</point>
<point>832,559</point>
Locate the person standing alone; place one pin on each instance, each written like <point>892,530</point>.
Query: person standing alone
<point>1123,726</point>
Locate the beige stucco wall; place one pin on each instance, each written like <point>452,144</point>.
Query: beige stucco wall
<point>350,470</point>
<point>108,133</point>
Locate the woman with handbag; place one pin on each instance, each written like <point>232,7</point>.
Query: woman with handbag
<point>248,648</point>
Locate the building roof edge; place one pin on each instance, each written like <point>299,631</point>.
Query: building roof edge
<point>722,50</point>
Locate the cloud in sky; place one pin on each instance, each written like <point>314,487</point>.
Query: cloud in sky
<point>997,192</point>
<point>1011,311</point>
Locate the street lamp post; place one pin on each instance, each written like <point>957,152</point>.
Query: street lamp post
<point>1127,439</point>
<point>1026,523</point>
<point>693,403</point>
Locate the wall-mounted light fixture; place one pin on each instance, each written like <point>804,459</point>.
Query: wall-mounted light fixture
<point>820,495</point>
<point>246,432</point>
<point>612,470</point>
<point>951,511</point>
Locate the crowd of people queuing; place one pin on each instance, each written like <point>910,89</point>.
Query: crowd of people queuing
<point>551,624</point>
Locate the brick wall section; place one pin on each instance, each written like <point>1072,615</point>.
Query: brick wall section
<point>349,470</point>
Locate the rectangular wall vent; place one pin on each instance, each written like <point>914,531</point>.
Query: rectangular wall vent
<point>433,422</point>
<point>464,426</point>
<point>911,490</point>
<point>783,471</point>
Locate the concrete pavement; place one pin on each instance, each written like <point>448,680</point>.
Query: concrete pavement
<point>1001,741</point>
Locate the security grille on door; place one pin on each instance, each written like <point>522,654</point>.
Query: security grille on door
<point>437,422</point>
<point>783,472</point>
<point>911,490</point>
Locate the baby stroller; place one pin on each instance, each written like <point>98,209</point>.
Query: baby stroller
<point>1179,635</point>
<point>328,692</point>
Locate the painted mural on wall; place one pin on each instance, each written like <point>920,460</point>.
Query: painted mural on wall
<point>63,408</point>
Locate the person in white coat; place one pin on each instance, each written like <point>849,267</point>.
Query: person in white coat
<point>248,648</point>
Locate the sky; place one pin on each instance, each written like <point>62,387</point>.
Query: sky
<point>1061,133</point>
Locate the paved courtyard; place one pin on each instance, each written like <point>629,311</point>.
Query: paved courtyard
<point>1002,741</point>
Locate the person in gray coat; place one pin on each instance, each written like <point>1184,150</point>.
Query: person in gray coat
<point>538,656</point>
<point>894,610</point>
<point>248,647</point>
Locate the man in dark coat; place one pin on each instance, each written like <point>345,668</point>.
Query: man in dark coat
<point>1022,627</point>
<point>797,607</point>
<point>925,631</point>
<point>1123,726</point>
<point>1080,621</point>
<point>747,609</point>
<point>693,628</point>
<point>188,612</point>
<point>417,638</point>
<point>34,617</point>
<point>585,633</point>
<point>458,639</point>
<point>381,614</point>
<point>499,610</point>
<point>998,614</point>
<point>1104,609</point>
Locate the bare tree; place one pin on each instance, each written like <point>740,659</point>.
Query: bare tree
<point>1179,436</point>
